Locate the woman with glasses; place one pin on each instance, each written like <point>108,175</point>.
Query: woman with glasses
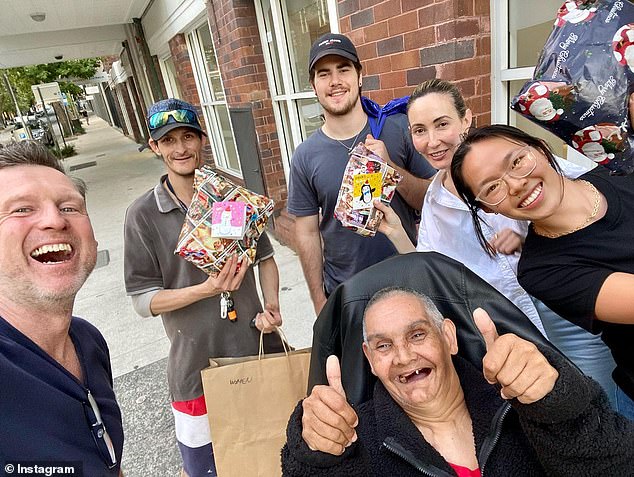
<point>439,118</point>
<point>578,256</point>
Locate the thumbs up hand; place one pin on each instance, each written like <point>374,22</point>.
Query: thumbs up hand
<point>516,364</point>
<point>328,420</point>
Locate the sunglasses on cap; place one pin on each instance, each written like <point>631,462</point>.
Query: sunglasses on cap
<point>184,116</point>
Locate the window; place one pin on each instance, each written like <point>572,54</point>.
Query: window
<point>518,36</point>
<point>169,78</point>
<point>212,100</point>
<point>289,28</point>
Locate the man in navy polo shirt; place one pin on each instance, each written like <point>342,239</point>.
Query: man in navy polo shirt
<point>57,403</point>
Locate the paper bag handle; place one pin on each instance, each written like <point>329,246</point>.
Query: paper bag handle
<point>280,332</point>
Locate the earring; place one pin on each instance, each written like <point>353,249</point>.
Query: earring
<point>360,85</point>
<point>463,136</point>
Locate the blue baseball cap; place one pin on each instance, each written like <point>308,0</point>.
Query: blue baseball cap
<point>173,121</point>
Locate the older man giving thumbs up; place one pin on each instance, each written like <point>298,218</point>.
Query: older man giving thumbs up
<point>527,412</point>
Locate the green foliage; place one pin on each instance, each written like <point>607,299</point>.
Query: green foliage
<point>64,72</point>
<point>77,127</point>
<point>66,151</point>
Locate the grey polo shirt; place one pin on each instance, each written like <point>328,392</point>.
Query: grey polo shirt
<point>196,332</point>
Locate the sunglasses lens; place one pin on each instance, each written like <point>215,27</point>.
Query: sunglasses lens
<point>161,118</point>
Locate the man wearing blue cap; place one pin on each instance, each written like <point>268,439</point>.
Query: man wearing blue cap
<point>318,165</point>
<point>161,283</point>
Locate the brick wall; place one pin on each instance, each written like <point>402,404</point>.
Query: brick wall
<point>122,89</point>
<point>186,81</point>
<point>404,42</point>
<point>237,40</point>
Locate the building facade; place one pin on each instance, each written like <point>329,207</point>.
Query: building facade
<point>244,62</point>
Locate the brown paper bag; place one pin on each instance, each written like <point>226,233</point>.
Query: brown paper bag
<point>249,402</point>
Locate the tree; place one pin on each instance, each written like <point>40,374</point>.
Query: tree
<point>64,72</point>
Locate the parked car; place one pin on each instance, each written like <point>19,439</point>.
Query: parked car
<point>40,132</point>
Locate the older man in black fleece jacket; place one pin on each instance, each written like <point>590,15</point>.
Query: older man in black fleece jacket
<point>434,414</point>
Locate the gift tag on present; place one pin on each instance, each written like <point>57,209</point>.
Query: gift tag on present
<point>228,219</point>
<point>365,188</point>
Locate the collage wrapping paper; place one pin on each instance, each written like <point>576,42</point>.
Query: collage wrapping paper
<point>365,178</point>
<point>196,243</point>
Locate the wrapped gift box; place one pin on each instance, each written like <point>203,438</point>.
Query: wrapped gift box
<point>198,244</point>
<point>583,79</point>
<point>366,177</point>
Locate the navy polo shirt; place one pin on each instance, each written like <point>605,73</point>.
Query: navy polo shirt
<point>45,414</point>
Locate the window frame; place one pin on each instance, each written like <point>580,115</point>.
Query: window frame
<point>208,105</point>
<point>290,136</point>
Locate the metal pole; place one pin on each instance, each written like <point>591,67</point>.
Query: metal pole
<point>17,106</point>
<point>50,124</point>
<point>61,131</point>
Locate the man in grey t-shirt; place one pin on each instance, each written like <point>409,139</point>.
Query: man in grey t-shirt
<point>317,169</point>
<point>161,283</point>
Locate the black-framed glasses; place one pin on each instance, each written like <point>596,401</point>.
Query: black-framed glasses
<point>184,116</point>
<point>99,433</point>
<point>521,164</point>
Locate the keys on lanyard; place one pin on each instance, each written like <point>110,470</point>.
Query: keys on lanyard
<point>227,307</point>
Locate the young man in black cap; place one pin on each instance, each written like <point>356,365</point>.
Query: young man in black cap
<point>161,283</point>
<point>317,170</point>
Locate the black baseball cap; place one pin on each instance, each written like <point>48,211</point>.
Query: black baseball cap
<point>332,44</point>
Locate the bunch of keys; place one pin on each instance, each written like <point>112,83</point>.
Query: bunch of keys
<point>227,308</point>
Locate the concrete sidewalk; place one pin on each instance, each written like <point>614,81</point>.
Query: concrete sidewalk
<point>116,174</point>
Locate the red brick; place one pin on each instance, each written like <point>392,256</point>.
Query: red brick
<point>446,31</point>
<point>405,60</point>
<point>483,85</point>
<point>363,4</point>
<point>404,91</point>
<point>344,25</point>
<point>419,39</point>
<point>485,64</point>
<point>467,87</point>
<point>356,36</point>
<point>383,96</point>
<point>366,51</point>
<point>386,10</point>
<point>467,68</point>
<point>447,72</point>
<point>484,46</point>
<point>467,27</point>
<point>482,8</point>
<point>402,23</point>
<point>464,8</point>
<point>408,5</point>
<point>485,25</point>
<point>378,31</point>
<point>378,65</point>
<point>393,80</point>
<point>435,14</point>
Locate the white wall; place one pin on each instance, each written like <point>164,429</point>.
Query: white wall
<point>167,18</point>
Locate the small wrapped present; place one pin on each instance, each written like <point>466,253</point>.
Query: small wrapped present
<point>212,220</point>
<point>366,177</point>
